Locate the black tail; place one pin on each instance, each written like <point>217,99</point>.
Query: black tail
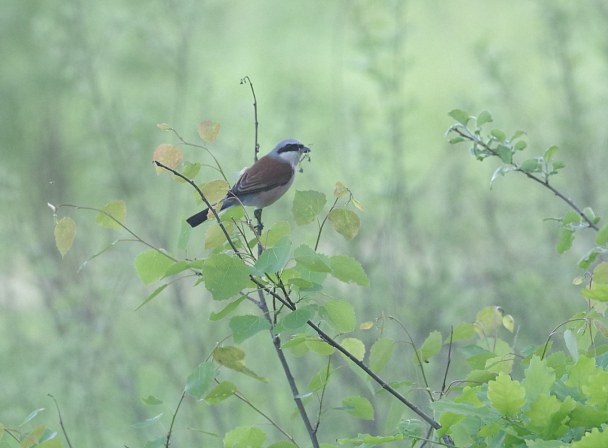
<point>198,219</point>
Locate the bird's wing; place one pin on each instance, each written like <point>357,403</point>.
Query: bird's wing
<point>263,176</point>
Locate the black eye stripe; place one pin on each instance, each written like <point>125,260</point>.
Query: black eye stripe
<point>290,147</point>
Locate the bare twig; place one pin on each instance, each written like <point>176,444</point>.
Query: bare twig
<point>247,80</point>
<point>65,433</point>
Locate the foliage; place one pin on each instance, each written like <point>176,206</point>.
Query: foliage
<point>537,397</point>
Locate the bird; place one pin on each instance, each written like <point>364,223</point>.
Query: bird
<point>264,182</point>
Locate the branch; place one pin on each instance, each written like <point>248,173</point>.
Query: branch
<point>478,141</point>
<point>247,80</point>
<point>67,439</point>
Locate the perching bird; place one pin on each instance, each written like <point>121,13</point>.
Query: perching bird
<point>263,182</point>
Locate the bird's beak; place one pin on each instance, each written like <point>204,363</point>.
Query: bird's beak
<point>304,154</point>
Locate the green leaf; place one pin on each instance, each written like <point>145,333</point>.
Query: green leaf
<point>156,292</point>
<point>320,379</point>
<point>307,205</point>
<point>215,236</point>
<point>520,145</point>
<point>243,327</point>
<point>506,395</point>
<point>348,270</point>
<point>600,273</point>
<point>463,331</point>
<point>200,380</point>
<point>460,116</point>
<point>546,418</point>
<point>489,319</point>
<point>276,233</point>
<point>596,390</point>
<point>151,265</point>
<point>498,135</point>
<point>31,416</point>
<point>345,222</point>
<point>484,117</point>
<point>319,346</point>
<point>380,354</point>
<point>355,346</point>
<point>359,407</point>
<point>447,420</point>
<point>184,235</point>
<point>117,210</point>
<point>190,170</point>
<point>565,241</point>
<point>311,260</point>
<point>296,319</point>
<point>213,191</point>
<point>65,231</point>
<point>587,417</point>
<point>539,378</point>
<point>593,439</point>
<point>221,392</point>
<point>340,314</point>
<point>234,358</point>
<point>550,153</point>
<point>484,413</point>
<point>597,292</point>
<point>273,258</point>
<point>225,276</point>
<point>227,309</point>
<point>505,154</point>
<point>455,140</point>
<point>580,373</point>
<point>558,165</point>
<point>430,347</point>
<point>152,400</point>
<point>245,437</point>
<point>588,259</point>
<point>602,236</point>
<point>530,165</point>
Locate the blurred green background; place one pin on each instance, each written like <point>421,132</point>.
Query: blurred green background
<point>368,84</point>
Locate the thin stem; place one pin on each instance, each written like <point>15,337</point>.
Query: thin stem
<point>376,378</point>
<point>323,224</point>
<point>247,80</point>
<point>137,238</point>
<point>276,341</point>
<point>168,441</point>
<point>67,439</point>
<point>477,140</point>
<point>244,399</point>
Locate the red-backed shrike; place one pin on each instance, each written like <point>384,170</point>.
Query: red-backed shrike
<point>263,182</point>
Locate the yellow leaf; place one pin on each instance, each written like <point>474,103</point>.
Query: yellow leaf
<point>65,231</point>
<point>117,210</point>
<point>340,190</point>
<point>208,130</point>
<point>168,155</point>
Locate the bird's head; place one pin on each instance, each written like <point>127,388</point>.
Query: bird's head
<point>289,150</point>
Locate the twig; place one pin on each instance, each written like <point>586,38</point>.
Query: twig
<point>447,366</point>
<point>247,80</point>
<point>168,441</point>
<point>291,306</point>
<point>478,141</point>
<point>65,433</point>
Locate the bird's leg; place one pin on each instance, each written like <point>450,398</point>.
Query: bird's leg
<point>258,216</point>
